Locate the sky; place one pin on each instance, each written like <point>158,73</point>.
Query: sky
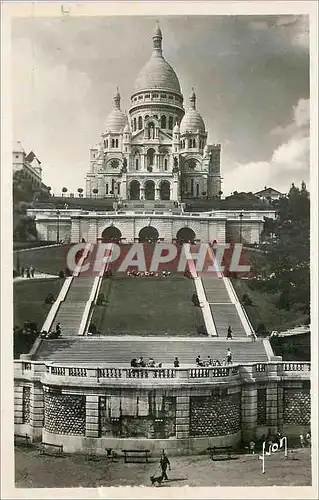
<point>250,74</point>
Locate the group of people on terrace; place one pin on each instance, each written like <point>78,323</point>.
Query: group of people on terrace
<point>147,274</point>
<point>52,334</point>
<point>215,362</point>
<point>141,363</point>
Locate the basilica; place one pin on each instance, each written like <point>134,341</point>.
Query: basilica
<point>159,151</point>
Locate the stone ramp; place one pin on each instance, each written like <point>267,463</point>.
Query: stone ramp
<point>216,292</point>
<point>226,315</point>
<point>98,351</point>
<point>72,308</point>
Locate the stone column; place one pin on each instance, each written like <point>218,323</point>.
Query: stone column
<point>175,189</point>
<point>36,411</point>
<point>271,405</point>
<point>75,230</point>
<point>92,417</point>
<point>249,411</point>
<point>142,194</point>
<point>123,189</point>
<point>182,417</point>
<point>157,193</point>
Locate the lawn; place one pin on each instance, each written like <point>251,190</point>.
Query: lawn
<point>39,471</point>
<point>148,306</point>
<point>44,260</point>
<point>264,310</point>
<point>28,299</point>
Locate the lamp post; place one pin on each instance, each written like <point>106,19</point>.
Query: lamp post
<point>58,227</point>
<point>241,215</point>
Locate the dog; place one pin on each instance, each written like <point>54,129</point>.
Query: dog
<point>156,479</point>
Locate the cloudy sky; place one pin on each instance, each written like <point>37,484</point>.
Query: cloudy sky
<point>250,73</point>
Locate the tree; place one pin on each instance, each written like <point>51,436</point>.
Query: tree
<point>80,191</point>
<point>95,191</point>
<point>64,190</point>
<point>286,269</point>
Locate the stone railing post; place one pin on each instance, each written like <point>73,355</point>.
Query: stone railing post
<point>36,411</point>
<point>182,417</point>
<point>92,417</point>
<point>18,404</point>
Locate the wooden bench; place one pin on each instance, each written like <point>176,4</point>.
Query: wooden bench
<point>22,439</point>
<point>220,450</point>
<point>56,449</point>
<point>141,454</point>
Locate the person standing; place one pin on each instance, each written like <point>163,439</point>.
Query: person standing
<point>164,463</point>
<point>229,333</point>
<point>28,272</point>
<point>22,272</point>
<point>229,357</point>
<point>176,363</point>
<point>32,271</point>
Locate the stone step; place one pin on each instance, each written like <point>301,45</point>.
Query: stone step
<point>96,351</point>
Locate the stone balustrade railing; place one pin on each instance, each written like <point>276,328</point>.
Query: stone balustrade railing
<point>36,370</point>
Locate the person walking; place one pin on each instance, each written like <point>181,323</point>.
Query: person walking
<point>28,272</point>
<point>229,357</point>
<point>32,271</point>
<point>229,333</point>
<point>22,272</point>
<point>164,463</point>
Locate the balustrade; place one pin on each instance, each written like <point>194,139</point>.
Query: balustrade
<point>30,368</point>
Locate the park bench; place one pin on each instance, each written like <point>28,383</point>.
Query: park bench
<point>22,439</point>
<point>141,454</point>
<point>51,449</point>
<point>219,450</point>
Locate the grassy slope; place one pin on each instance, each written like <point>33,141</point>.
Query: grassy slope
<point>264,309</point>
<point>45,260</point>
<point>28,297</point>
<point>148,306</point>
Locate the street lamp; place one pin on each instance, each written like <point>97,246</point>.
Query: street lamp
<point>58,227</point>
<point>241,215</point>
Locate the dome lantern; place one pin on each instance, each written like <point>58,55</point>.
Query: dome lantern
<point>116,120</point>
<point>157,41</point>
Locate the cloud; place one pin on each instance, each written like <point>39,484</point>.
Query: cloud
<point>289,162</point>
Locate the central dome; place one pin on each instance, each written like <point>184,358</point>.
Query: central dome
<point>157,73</point>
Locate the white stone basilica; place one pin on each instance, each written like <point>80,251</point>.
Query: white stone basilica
<point>159,151</point>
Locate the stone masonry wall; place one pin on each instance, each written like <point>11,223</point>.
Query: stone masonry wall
<point>215,415</point>
<point>64,413</point>
<point>297,406</point>
<point>26,405</point>
<point>261,406</point>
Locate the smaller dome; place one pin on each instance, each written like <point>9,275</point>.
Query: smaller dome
<point>126,129</point>
<point>116,120</point>
<point>176,128</point>
<point>192,122</point>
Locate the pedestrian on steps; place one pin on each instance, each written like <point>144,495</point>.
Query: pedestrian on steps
<point>229,357</point>
<point>229,333</point>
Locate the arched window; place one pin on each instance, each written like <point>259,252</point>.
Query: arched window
<point>106,188</point>
<point>146,117</point>
<point>113,185</point>
<point>170,123</point>
<point>140,123</point>
<point>113,143</point>
<point>189,143</point>
<point>163,121</point>
<point>134,128</point>
<point>197,190</point>
<point>156,117</point>
<point>116,143</point>
<point>192,187</point>
<point>194,143</point>
<point>165,164</point>
<point>136,163</point>
<point>150,157</point>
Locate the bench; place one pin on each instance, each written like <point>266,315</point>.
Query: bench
<point>56,449</point>
<point>22,439</point>
<point>220,450</point>
<point>141,454</point>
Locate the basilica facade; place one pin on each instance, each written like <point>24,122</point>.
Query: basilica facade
<point>158,151</point>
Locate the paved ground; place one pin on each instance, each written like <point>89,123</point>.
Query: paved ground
<point>36,471</point>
